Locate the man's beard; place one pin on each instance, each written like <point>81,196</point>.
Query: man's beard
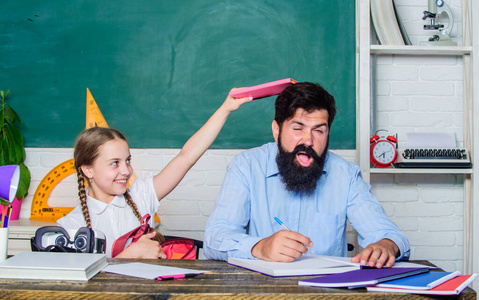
<point>299,179</point>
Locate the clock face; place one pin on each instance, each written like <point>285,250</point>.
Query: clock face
<point>384,152</point>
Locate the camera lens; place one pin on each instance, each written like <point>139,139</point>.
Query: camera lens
<point>80,242</point>
<point>61,240</point>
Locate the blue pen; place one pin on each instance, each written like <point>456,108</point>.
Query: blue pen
<point>286,227</point>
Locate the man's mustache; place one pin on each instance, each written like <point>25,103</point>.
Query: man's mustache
<point>308,150</point>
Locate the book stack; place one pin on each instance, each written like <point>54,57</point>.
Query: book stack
<point>397,280</point>
<point>53,266</point>
<point>433,283</point>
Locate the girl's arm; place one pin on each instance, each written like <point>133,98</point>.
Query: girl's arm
<point>171,175</point>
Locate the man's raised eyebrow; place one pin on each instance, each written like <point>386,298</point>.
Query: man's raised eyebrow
<point>320,125</point>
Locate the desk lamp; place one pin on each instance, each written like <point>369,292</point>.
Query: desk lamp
<point>9,178</point>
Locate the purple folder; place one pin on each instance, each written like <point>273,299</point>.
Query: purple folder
<point>362,277</point>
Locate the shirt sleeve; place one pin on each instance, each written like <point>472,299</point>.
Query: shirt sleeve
<point>369,219</point>
<point>226,233</point>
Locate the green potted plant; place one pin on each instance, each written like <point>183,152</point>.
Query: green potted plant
<point>12,151</point>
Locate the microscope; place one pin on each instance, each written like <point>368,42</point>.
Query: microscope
<point>435,9</point>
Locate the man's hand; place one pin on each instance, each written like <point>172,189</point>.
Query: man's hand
<point>379,254</point>
<point>284,246</point>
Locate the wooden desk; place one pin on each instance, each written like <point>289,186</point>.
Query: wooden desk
<point>224,282</point>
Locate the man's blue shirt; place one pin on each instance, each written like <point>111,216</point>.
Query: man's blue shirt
<point>253,194</point>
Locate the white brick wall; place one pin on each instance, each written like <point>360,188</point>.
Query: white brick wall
<point>429,210</point>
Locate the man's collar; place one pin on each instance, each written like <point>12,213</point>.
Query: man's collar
<point>97,207</point>
<point>272,167</point>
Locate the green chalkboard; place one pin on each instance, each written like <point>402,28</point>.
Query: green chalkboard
<point>158,69</point>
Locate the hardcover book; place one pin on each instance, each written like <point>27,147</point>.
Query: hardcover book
<point>53,266</point>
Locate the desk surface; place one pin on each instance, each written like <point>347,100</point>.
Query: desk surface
<point>224,282</point>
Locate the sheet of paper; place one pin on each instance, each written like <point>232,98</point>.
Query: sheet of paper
<point>148,271</point>
<point>431,140</point>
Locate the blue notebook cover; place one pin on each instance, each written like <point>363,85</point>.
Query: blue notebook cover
<point>423,281</point>
<point>362,277</point>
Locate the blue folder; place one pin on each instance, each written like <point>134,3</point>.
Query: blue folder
<point>423,281</point>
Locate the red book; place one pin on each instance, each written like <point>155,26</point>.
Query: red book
<point>263,90</point>
<point>453,286</point>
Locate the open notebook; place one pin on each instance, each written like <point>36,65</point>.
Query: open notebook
<point>307,265</point>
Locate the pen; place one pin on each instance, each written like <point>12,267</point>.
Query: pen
<point>286,227</point>
<point>169,277</point>
<point>4,212</point>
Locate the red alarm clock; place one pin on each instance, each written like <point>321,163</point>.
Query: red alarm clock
<point>383,149</point>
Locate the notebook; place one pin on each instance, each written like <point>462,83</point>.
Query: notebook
<point>453,286</point>
<point>53,266</point>
<point>305,265</point>
<point>425,281</point>
<point>263,90</point>
<point>363,277</point>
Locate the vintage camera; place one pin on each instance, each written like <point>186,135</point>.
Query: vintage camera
<point>59,239</point>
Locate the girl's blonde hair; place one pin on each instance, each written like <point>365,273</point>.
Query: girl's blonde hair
<point>85,153</point>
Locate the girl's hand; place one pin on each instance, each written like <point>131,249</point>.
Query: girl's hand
<point>143,248</point>
<point>231,104</point>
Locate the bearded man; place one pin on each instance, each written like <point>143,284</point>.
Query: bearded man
<point>312,190</point>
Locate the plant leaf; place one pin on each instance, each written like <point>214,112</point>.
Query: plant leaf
<point>3,152</point>
<point>12,150</point>
<point>24,183</point>
<point>12,116</point>
<point>14,143</point>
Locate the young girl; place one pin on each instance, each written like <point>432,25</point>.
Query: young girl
<point>102,158</point>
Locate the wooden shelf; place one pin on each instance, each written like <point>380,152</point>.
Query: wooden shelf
<point>420,50</point>
<point>419,171</point>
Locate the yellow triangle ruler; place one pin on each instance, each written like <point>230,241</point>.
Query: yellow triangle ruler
<point>40,209</point>
<point>94,117</point>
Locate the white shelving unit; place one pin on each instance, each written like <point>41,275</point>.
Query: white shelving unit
<point>365,52</point>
